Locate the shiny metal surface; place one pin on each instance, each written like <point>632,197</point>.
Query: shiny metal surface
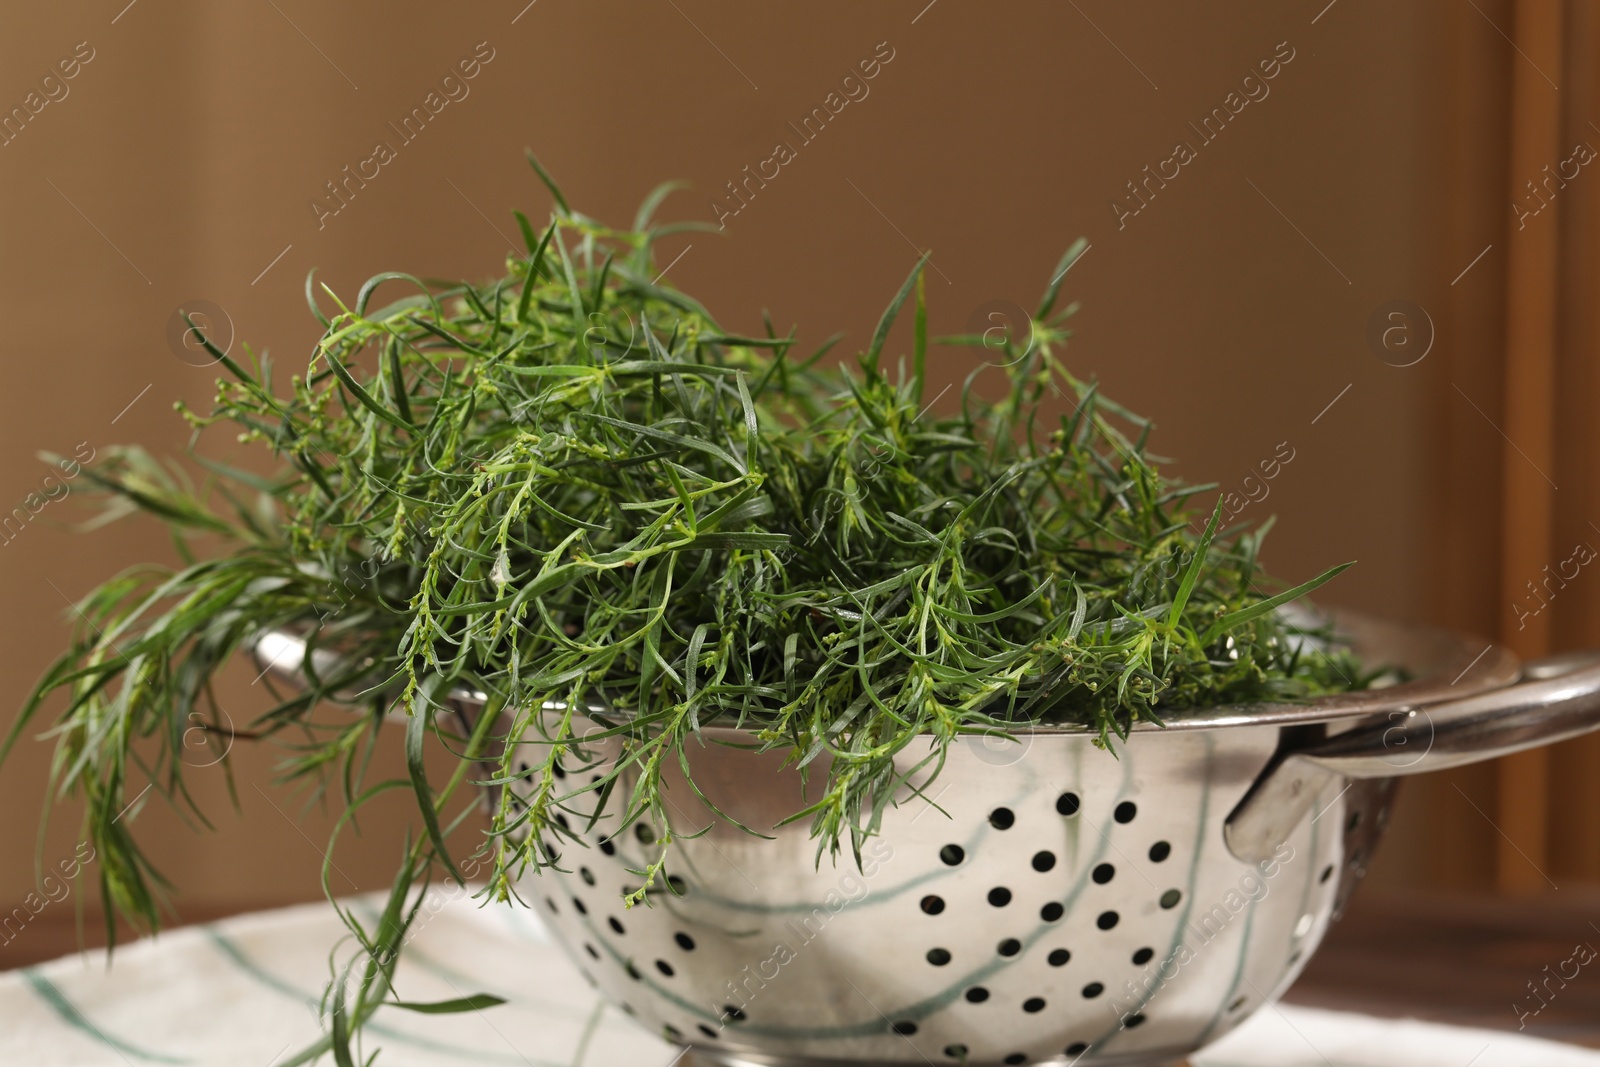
<point>1041,897</point>
<point>1040,901</point>
<point>1441,666</point>
<point>1560,700</point>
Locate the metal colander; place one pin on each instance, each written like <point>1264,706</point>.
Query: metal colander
<point>1040,902</point>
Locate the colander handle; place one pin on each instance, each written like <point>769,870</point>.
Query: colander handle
<point>283,655</point>
<point>286,657</point>
<point>1556,699</point>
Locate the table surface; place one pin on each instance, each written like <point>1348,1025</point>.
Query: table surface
<point>1467,961</point>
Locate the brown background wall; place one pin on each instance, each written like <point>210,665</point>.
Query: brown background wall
<point>1232,309</point>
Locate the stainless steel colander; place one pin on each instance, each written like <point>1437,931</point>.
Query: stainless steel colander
<point>1041,901</point>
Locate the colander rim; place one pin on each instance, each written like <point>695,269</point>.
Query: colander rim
<point>1442,664</point>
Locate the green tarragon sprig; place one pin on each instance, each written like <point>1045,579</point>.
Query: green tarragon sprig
<point>571,486</point>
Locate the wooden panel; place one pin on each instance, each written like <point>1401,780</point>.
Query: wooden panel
<point>1574,829</point>
<point>1532,241</point>
<point>996,136</point>
<point>1436,838</point>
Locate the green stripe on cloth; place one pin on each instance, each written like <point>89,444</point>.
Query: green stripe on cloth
<point>457,979</point>
<point>79,1021</point>
<point>241,960</point>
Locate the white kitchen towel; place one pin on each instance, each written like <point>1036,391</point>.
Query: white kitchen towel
<point>244,993</point>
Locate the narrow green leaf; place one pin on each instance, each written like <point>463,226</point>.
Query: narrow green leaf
<point>1054,288</point>
<point>821,351</point>
<point>535,270</point>
<point>526,227</point>
<point>691,443</point>
<point>416,732</point>
<point>574,291</point>
<point>549,182</point>
<point>751,539</point>
<point>341,1027</point>
<point>1192,573</point>
<point>1261,607</point>
<point>397,383</point>
<point>311,298</point>
<point>372,283</point>
<point>691,661</point>
<point>880,336</point>
<point>647,209</point>
<point>361,394</point>
<point>475,1002</point>
<point>919,354</point>
<point>752,429</point>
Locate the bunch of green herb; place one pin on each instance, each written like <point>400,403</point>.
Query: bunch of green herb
<point>571,487</point>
